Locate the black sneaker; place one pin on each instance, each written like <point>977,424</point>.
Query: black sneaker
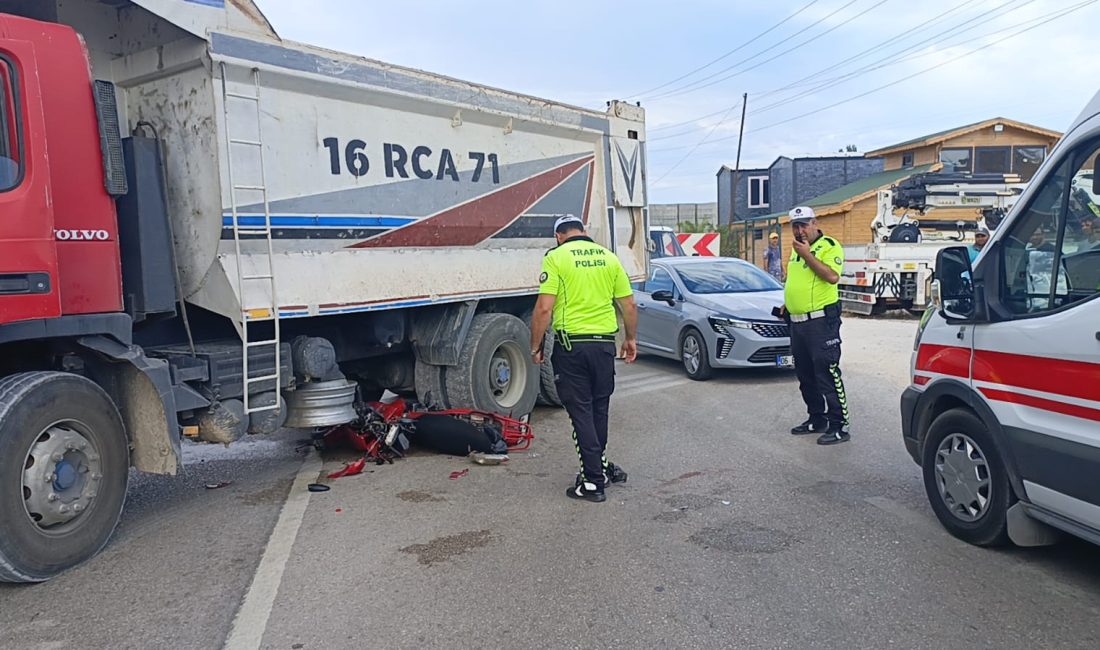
<point>587,492</point>
<point>810,426</point>
<point>614,474</point>
<point>835,435</point>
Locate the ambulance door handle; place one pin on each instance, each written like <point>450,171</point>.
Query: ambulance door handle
<point>1098,336</point>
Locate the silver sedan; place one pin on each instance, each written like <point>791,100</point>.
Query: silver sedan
<point>712,312</point>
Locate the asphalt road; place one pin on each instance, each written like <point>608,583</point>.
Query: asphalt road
<point>729,533</point>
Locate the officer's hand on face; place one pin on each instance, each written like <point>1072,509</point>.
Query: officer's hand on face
<point>630,350</point>
<point>801,247</point>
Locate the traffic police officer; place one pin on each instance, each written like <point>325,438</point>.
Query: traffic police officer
<point>580,285</point>
<point>812,304</point>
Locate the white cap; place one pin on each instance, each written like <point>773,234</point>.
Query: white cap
<point>802,213</point>
<point>569,218</point>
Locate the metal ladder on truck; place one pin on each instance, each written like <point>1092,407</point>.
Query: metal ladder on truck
<point>261,279</point>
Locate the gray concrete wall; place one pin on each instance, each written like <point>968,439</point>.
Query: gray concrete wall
<point>672,214</point>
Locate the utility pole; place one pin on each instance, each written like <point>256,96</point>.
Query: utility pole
<point>737,164</point>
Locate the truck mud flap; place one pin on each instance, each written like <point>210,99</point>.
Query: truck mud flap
<point>142,389</point>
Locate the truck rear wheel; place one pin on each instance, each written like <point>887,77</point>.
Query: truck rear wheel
<point>64,466</point>
<point>548,388</point>
<point>494,370</point>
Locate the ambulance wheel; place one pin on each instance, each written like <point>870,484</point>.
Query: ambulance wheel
<point>494,371</point>
<point>548,388</point>
<point>695,357</point>
<point>64,466</point>
<point>965,479</point>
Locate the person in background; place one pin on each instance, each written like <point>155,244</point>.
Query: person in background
<point>773,257</point>
<point>981,238</point>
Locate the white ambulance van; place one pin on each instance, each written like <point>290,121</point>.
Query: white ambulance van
<point>1003,412</point>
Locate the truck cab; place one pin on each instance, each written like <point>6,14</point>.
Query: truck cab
<point>663,243</point>
<point>1003,412</point>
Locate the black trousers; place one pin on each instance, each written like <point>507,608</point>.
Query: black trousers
<point>585,377</point>
<point>815,345</point>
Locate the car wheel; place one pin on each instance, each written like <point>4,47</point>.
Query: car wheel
<point>965,479</point>
<point>695,357</point>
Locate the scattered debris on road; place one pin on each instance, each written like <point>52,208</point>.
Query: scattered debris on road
<point>218,486</point>
<point>385,431</point>
<point>351,469</point>
<point>458,475</point>
<point>318,487</point>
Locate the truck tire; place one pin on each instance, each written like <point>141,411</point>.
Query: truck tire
<point>548,388</point>
<point>965,479</point>
<point>64,467</point>
<point>494,371</point>
<point>431,390</point>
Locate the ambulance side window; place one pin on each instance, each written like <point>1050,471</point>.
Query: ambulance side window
<point>1079,278</point>
<point>11,136</point>
<point>1048,256</point>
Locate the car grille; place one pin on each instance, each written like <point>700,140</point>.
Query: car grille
<point>771,330</point>
<point>768,355</point>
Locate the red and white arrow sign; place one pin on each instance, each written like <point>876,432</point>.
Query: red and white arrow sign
<point>704,244</point>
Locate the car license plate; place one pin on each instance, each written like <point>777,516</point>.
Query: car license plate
<point>784,361</point>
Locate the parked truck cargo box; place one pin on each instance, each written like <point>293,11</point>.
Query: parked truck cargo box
<point>209,229</point>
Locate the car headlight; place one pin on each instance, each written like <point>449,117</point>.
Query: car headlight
<point>722,324</point>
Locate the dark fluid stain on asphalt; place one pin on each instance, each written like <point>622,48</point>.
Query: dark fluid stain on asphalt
<point>444,548</point>
<point>670,517</point>
<point>682,477</point>
<point>691,501</point>
<point>417,496</point>
<point>275,494</point>
<point>742,537</point>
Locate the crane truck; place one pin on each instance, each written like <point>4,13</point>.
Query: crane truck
<point>895,270</point>
<point>209,231</point>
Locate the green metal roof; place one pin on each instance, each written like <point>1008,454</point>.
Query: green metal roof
<point>937,134</point>
<point>862,186</point>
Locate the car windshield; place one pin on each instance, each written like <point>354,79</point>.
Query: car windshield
<point>725,277</point>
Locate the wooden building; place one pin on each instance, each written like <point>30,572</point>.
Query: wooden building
<point>997,145</point>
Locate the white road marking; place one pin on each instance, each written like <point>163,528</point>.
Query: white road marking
<point>649,387</point>
<point>251,620</point>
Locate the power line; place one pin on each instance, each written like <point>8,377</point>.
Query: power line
<point>699,144</point>
<point>731,52</point>
<point>697,86</point>
<point>1053,16</point>
<point>894,39</point>
<point>746,60</point>
<point>1043,20</point>
<point>911,56</point>
<point>897,38</point>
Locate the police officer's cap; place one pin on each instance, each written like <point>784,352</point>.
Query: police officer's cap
<point>571,220</point>
<point>801,214</point>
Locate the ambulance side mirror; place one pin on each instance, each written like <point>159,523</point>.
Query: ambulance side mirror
<point>953,289</point>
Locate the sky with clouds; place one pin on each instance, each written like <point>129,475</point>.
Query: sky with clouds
<point>820,74</point>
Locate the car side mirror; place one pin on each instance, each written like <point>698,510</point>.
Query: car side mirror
<point>953,289</point>
<point>664,296</point>
<point>1096,176</point>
